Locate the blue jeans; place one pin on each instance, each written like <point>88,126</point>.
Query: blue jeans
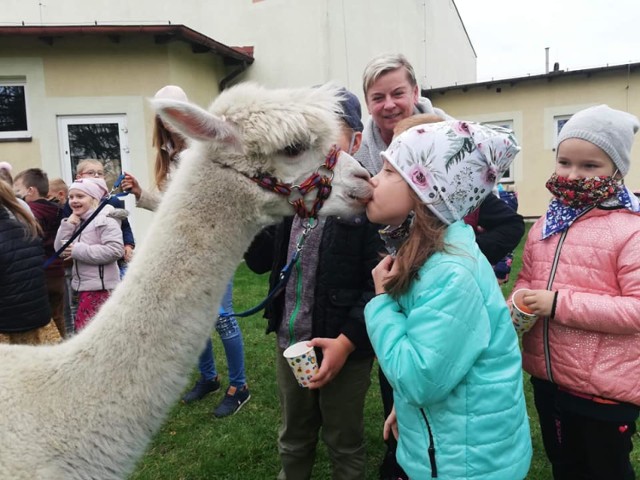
<point>231,337</point>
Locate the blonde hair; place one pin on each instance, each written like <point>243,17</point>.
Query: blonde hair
<point>59,185</point>
<point>412,121</point>
<point>85,163</point>
<point>386,63</point>
<point>162,137</point>
<point>10,202</point>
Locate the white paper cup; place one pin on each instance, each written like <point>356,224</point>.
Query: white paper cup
<point>302,360</point>
<point>523,321</point>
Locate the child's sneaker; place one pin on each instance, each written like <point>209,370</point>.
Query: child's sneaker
<point>200,389</point>
<point>233,401</point>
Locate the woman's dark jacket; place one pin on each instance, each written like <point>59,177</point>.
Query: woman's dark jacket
<point>24,303</point>
<point>349,250</point>
<point>501,228</point>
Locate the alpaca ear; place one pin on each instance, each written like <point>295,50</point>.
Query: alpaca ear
<point>194,122</point>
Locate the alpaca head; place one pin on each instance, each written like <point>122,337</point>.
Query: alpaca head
<point>285,133</point>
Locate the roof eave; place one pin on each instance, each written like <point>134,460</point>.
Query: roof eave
<point>545,76</point>
<point>200,43</point>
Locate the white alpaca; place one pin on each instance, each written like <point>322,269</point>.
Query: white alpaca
<point>87,408</point>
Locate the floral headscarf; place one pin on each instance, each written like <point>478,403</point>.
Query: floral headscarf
<point>453,165</point>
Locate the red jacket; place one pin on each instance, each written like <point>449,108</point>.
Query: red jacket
<point>49,216</point>
<point>594,338</point>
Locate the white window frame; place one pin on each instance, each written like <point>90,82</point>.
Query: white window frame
<point>508,176</point>
<point>65,120</point>
<point>17,134</point>
<point>556,126</point>
<point>65,156</point>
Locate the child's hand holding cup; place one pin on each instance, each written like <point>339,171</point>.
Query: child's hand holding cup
<point>66,253</point>
<point>302,360</point>
<point>521,315</point>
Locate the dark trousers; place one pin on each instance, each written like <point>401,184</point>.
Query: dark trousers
<point>335,411</point>
<point>579,446</point>
<point>390,467</point>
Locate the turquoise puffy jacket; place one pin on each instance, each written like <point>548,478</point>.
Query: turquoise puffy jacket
<point>451,354</point>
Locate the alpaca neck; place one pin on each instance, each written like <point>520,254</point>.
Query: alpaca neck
<point>145,341</point>
<point>193,248</point>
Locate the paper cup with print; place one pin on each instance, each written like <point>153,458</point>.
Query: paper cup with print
<point>523,318</point>
<point>303,362</point>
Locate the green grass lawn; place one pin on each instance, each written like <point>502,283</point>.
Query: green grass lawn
<point>194,445</point>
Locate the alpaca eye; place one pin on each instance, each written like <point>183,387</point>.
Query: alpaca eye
<point>294,150</point>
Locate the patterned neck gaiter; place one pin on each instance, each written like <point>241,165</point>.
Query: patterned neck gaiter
<point>582,192</point>
<point>393,237</point>
<point>560,216</point>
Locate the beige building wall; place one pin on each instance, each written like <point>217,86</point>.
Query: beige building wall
<point>92,75</point>
<point>297,42</point>
<point>533,106</point>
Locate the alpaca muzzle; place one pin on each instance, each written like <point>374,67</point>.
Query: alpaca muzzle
<point>319,180</point>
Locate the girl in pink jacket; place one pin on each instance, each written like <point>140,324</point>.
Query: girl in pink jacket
<point>581,263</point>
<point>95,252</point>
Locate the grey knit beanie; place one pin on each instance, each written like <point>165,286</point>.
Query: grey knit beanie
<point>611,130</point>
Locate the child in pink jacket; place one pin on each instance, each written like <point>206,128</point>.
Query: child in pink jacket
<point>95,252</point>
<point>582,265</point>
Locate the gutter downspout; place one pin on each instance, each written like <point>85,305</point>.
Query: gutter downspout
<point>628,84</point>
<point>224,83</point>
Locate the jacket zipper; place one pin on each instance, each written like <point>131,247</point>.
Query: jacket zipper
<point>101,274</point>
<point>296,309</point>
<point>552,274</point>
<point>545,330</point>
<point>432,449</point>
<point>74,265</point>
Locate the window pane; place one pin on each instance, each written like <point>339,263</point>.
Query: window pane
<point>561,123</point>
<point>96,140</point>
<point>13,109</point>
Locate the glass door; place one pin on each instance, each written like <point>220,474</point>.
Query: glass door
<point>103,137</point>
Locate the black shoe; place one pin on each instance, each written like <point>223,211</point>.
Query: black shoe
<point>201,389</point>
<point>232,402</point>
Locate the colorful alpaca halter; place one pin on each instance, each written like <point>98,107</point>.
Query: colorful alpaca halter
<point>318,180</point>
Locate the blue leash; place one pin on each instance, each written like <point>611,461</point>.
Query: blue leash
<point>75,235</point>
<point>285,274</point>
